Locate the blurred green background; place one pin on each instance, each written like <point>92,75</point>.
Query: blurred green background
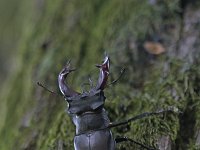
<point>157,41</point>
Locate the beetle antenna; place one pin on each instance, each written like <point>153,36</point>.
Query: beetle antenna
<point>50,91</point>
<point>118,78</point>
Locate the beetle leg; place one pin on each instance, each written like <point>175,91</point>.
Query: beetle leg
<point>143,115</point>
<point>126,139</point>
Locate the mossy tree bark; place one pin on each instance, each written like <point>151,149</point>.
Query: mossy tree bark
<point>82,30</point>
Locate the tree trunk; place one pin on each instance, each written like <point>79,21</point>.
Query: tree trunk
<point>156,41</point>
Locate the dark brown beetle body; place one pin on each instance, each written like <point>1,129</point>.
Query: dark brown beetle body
<point>92,132</point>
<point>87,112</point>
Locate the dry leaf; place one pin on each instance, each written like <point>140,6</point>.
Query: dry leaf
<point>154,48</point>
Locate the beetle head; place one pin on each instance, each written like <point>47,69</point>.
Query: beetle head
<point>101,83</point>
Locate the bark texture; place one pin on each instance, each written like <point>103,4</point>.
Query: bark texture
<point>156,41</point>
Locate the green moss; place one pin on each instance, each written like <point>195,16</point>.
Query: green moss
<point>82,32</point>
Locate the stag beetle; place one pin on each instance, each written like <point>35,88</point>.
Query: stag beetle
<point>88,113</point>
